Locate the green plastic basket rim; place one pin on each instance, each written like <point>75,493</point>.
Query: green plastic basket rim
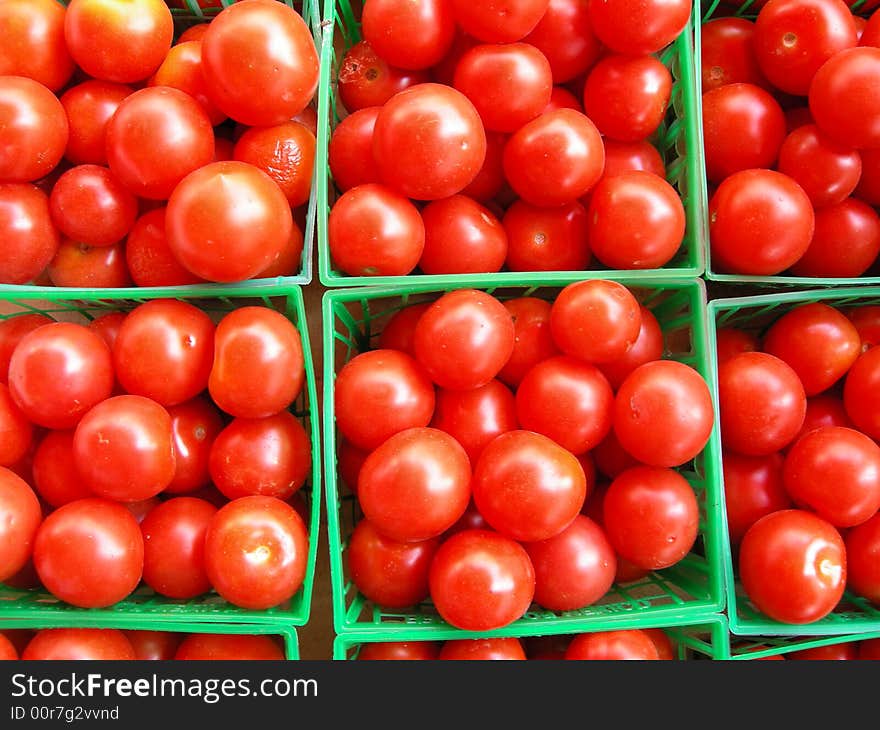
<point>563,624</point>
<point>695,209</point>
<point>741,625</point>
<point>157,615</point>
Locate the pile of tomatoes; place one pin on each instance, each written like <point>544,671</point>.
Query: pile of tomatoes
<point>113,644</point>
<point>155,446</point>
<point>125,159</point>
<point>799,423</point>
<point>482,135</point>
<point>469,438</point>
<point>791,124</point>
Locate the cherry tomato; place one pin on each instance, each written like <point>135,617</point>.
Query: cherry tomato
<point>868,188</point>
<point>350,153</point>
<point>481,580</point>
<point>564,34</point>
<point>182,69</point>
<point>34,42</point>
<point>153,645</point>
<point>12,330</point>
<point>753,488</point>
<point>399,650</point>
<point>629,644</point>
<point>823,410</point>
<point>89,553</point>
<point>533,341</point>
<point>461,237</point>
<point>866,320</point>
<point>730,341</point>
<point>575,568</point>
<point>195,425</point>
<point>415,485</point>
<point>639,30</point>
<point>219,647</point>
<point>56,479</point>
<point>79,644</point>
<point>381,393</point>
<point>20,516</point>
<point>8,652</point>
<point>728,54</point>
<point>258,367</point>
<point>546,648</point>
<point>58,372</point>
<point>148,256</point>
<point>365,80</point>
<point>16,431</point>
<point>499,649</point>
<point>562,98</point>
<point>30,238</point>
<point>662,642</point>
<point>863,570</point>
<point>499,21</point>
<point>490,180</point>
<point>621,157</point>
<point>792,565</point>
<point>349,461</point>
<point>80,265</point>
<point>547,239</point>
<point>647,348</point>
<point>409,35</point>
<point>389,573</point>
<point>286,153</point>
<point>256,552</point>
<point>860,393</point>
<point>107,326</point>
<point>89,107</point>
<point>399,333</point>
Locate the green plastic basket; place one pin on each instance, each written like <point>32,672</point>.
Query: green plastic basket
<point>287,633</point>
<point>761,647</point>
<point>353,319</point>
<point>144,606</point>
<point>678,140</point>
<point>693,638</point>
<point>747,10</point>
<point>756,313</point>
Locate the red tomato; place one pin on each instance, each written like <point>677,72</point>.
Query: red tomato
<point>630,644</point>
<point>116,40</point>
<point>260,45</point>
<point>481,580</point>
<point>793,38</point>
<point>79,644</point>
<point>400,331</point>
<point>365,80</point>
<point>148,256</point>
<point>561,98</point>
<point>195,425</point>
<point>567,400</point>
<point>753,488</point>
<point>256,552</point>
<point>286,153</point>
<point>797,117</point>
<point>415,485</point>
<point>647,348</point>
<point>547,239</point>
<point>575,568</point>
<point>58,372</point>
<point>728,54</point>
<point>554,159</point>
<point>869,649</point>
<point>464,339</point>
<point>860,393</point>
<point>153,645</point>
<point>490,180</point>
<point>16,431</point>
<point>12,330</point>
<point>268,456</point>
<point>399,650</point>
<point>482,650</point>
<point>381,393</point>
<point>80,265</point>
<point>374,231</point>
<point>20,516</point>
<point>662,642</point>
<point>409,35</point>
<point>164,351</point>
<point>289,261</point>
<point>611,458</point>
<point>194,32</point>
<point>156,138</point>
<point>828,172</point>
<point>429,142</point>
<point>866,320</point>
<point>8,652</point>
<point>621,157</point>
<point>34,42</point>
<point>639,30</point>
<point>461,237</point>
<point>743,128</point>
<point>56,479</point>
<point>182,69</point>
<point>350,154</point>
<point>730,341</point>
<point>823,410</point>
<point>349,461</point>
<point>35,130</point>
<point>868,188</point>
<point>837,100</point>
<point>499,21</point>
<point>89,107</point>
<point>220,647</point>
<point>832,652</point>
<point>123,448</point>
<point>533,341</point>
<point>89,553</point>
<point>792,565</point>
<point>564,34</point>
<point>621,206</point>
<point>596,321</point>
<point>475,417</point>
<point>389,573</point>
<point>30,238</point>
<point>863,569</point>
<point>258,365</point>
<point>651,517</point>
<point>107,326</point>
<point>760,222</point>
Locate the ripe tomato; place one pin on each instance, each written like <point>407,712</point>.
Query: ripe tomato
<point>409,35</point>
<point>58,372</point>
<point>863,569</point>
<point>30,238</point>
<point>195,425</point>
<point>868,188</point>
<point>475,417</point>
<point>12,330</point>
<point>429,142</point>
<point>611,458</point>
<point>619,208</point>
<point>533,342</point>
<point>400,331</point>
<point>220,647</point>
<point>499,21</point>
<point>158,136</point>
<point>286,153</point>
<point>564,34</point>
<point>260,45</point>
<point>16,431</point>
<point>727,53</point>
<point>743,128</point>
<point>567,400</point>
<point>89,553</point>
<point>8,652</point>
<point>116,40</point>
<point>464,339</point>
<point>182,69</point>
<point>89,107</point>
<point>860,393</point>
<point>374,231</point>
<point>349,461</point>
<point>256,552</point>
<point>621,157</point>
<point>34,44</point>
<point>56,479</point>
<point>730,341</point>
<point>350,153</point>
<point>562,98</point>
<point>753,488</point>
<point>148,256</point>
<point>647,348</point>
<point>793,38</point>
<point>792,565</point>
<point>80,265</point>
<point>217,238</point>
<point>20,516</point>
<point>269,456</point>
<point>546,239</point>
<point>575,568</point>
<point>153,645</point>
<point>866,320</point>
<point>365,80</point>
<point>389,573</point>
<point>35,130</point>
<point>381,393</point>
<point>596,321</point>
<point>760,222</point>
<point>630,644</point>
<point>846,241</point>
<point>415,485</point>
<point>665,648</point>
<point>79,644</point>
<point>399,650</point>
<point>461,237</point>
<point>107,326</point>
<point>499,649</point>
<point>481,580</point>
<point>823,410</point>
<point>554,159</point>
<point>490,181</point>
<point>639,30</point>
